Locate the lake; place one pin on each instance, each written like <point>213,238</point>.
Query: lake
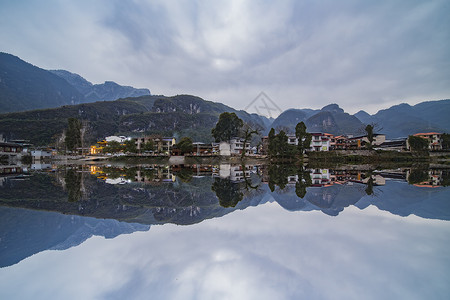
<point>224,232</point>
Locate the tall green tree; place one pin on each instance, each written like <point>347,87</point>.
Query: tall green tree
<point>369,132</point>
<point>112,147</point>
<point>185,145</point>
<point>304,138</point>
<point>272,143</point>
<point>73,134</point>
<point>445,141</point>
<point>227,127</point>
<point>130,146</point>
<point>149,146</point>
<point>418,144</point>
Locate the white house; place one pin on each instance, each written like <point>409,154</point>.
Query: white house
<point>234,147</point>
<point>113,138</point>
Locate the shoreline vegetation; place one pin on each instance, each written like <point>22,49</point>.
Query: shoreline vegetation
<point>315,159</point>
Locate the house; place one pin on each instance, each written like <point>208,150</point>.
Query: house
<point>234,148</point>
<point>162,145</point>
<point>434,140</point>
<point>359,141</point>
<point>339,142</point>
<point>237,146</point>
<point>120,139</point>
<point>320,141</point>
<point>393,145</point>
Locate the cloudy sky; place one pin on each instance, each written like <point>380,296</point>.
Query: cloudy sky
<point>359,54</point>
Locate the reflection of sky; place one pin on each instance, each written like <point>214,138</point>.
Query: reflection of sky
<point>263,252</point>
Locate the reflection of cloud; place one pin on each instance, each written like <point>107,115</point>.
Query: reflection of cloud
<point>302,53</point>
<point>262,252</point>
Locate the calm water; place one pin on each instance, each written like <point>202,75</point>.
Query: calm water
<point>224,232</point>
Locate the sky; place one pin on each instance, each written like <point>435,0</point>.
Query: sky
<point>302,54</point>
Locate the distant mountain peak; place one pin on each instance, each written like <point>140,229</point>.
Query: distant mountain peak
<point>333,108</point>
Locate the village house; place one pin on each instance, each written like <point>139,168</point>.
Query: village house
<point>235,147</point>
<point>320,141</point>
<point>162,145</point>
<point>359,141</point>
<point>393,145</point>
<point>434,140</point>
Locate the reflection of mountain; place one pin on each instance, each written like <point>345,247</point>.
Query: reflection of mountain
<point>402,199</point>
<point>26,232</point>
<point>330,200</point>
<point>396,197</point>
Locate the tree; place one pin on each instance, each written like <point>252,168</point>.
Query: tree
<point>418,144</point>
<point>369,131</point>
<point>185,145</point>
<point>149,146</point>
<point>445,141</point>
<point>272,143</point>
<point>130,146</point>
<point>228,193</point>
<point>418,176</point>
<point>227,127</point>
<point>282,144</point>
<point>73,185</point>
<point>304,181</point>
<point>370,181</point>
<point>112,147</point>
<point>248,132</point>
<point>304,138</point>
<point>73,134</point>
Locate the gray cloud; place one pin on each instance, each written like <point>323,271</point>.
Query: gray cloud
<point>361,55</point>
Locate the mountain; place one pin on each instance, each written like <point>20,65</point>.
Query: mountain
<point>99,92</point>
<point>24,86</point>
<point>403,119</point>
<point>364,117</point>
<point>288,119</point>
<point>330,119</point>
<point>181,115</point>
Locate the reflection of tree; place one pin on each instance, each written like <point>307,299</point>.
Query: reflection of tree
<point>417,176</point>
<point>304,180</point>
<point>185,174</point>
<point>278,175</point>
<point>369,189</point>
<point>228,192</point>
<point>73,185</point>
<point>445,177</point>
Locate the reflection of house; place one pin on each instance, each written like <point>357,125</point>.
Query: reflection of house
<point>235,173</point>
<point>434,178</point>
<point>434,139</point>
<point>320,177</point>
